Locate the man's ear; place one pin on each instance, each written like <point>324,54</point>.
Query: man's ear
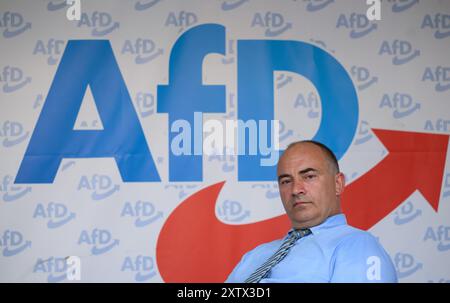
<point>340,183</point>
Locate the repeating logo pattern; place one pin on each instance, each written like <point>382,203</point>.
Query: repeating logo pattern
<point>164,60</point>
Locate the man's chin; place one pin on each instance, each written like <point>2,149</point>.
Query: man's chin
<point>299,222</point>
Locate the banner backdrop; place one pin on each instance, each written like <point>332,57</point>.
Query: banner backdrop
<point>103,177</point>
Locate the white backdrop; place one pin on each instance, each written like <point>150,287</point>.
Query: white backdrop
<point>399,66</point>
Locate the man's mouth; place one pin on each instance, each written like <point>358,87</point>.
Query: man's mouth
<point>299,203</point>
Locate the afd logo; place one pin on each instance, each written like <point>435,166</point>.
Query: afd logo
<point>54,267</point>
<point>142,5</point>
<point>101,186</point>
<point>440,23</point>
<point>143,267</point>
<point>232,211</point>
<point>13,24</point>
<point>274,23</point>
<point>143,212</point>
<point>101,23</point>
<point>363,135</point>
<point>317,5</point>
<point>399,6</point>
<point>145,103</point>
<point>143,50</point>
<point>440,75</point>
<point>401,51</point>
<point>401,105</point>
<point>229,5</point>
<point>13,79</point>
<point>99,240</point>
<point>406,213</point>
<point>13,243</point>
<point>56,214</point>
<point>52,49</point>
<point>358,24</point>
<point>438,125</point>
<point>363,77</point>
<point>406,265</point>
<point>181,19</point>
<point>309,102</point>
<point>183,98</point>
<point>270,190</point>
<point>12,133</point>
<point>439,235</point>
<point>59,269</point>
<point>12,192</point>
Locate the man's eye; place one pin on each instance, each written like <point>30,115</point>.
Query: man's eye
<point>309,177</point>
<point>285,181</point>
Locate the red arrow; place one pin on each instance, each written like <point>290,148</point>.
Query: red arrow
<point>415,161</point>
<point>194,246</point>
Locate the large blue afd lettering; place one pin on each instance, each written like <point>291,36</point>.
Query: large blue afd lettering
<point>185,94</point>
<point>258,59</point>
<point>92,63</point>
<point>87,62</point>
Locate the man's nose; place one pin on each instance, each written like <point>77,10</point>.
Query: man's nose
<point>298,188</point>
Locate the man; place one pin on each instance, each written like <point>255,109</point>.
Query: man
<point>321,247</point>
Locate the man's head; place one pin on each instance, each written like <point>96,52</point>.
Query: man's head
<point>310,183</point>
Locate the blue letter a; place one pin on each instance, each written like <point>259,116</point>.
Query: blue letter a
<point>87,62</point>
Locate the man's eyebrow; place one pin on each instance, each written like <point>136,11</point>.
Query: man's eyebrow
<point>283,176</point>
<point>307,170</point>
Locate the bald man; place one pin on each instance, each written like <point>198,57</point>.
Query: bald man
<point>321,246</point>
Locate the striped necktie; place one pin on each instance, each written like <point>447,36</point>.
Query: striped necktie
<point>264,270</point>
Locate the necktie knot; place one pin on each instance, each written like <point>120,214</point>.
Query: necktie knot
<point>300,233</point>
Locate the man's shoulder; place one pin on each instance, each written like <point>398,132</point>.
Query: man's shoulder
<point>347,235</point>
<point>352,238</point>
<point>350,233</point>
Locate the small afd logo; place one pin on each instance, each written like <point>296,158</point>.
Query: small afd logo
<point>143,212</point>
<point>143,267</point>
<point>406,264</point>
<point>13,79</point>
<point>11,192</point>
<point>12,243</point>
<point>99,241</point>
<point>439,235</point>
<point>100,186</point>
<point>13,23</point>
<point>56,214</point>
<point>273,22</point>
<point>59,269</point>
<point>406,213</point>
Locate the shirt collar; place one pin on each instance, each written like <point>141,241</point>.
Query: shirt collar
<point>329,222</point>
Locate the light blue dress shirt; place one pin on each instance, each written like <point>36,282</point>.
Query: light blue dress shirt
<point>334,252</point>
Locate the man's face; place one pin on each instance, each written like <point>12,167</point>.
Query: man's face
<point>309,186</point>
